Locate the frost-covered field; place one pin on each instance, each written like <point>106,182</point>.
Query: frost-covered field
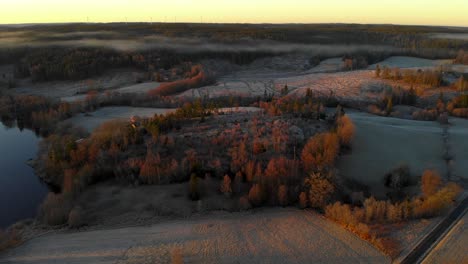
<point>458,135</point>
<point>409,62</point>
<point>267,236</point>
<point>92,120</point>
<point>383,143</point>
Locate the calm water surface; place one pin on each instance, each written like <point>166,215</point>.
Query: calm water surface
<point>21,191</point>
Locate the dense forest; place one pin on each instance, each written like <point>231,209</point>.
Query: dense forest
<point>50,55</point>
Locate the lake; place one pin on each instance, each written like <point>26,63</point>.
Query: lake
<point>21,191</point>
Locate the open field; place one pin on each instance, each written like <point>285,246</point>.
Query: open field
<point>69,89</point>
<point>266,236</point>
<point>92,120</point>
<point>409,62</point>
<point>459,146</point>
<point>383,143</point>
<point>141,88</point>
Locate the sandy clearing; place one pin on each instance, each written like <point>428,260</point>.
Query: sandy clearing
<point>409,62</point>
<point>452,248</point>
<point>458,135</point>
<point>383,143</point>
<point>94,119</point>
<point>265,236</point>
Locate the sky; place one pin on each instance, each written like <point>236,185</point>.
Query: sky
<point>407,12</point>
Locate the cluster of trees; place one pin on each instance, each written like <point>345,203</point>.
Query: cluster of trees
<point>69,63</point>
<point>435,199</point>
<point>432,78</point>
<point>462,57</point>
<point>35,112</point>
<point>198,77</point>
<point>305,107</point>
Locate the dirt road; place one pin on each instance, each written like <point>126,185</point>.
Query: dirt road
<point>267,236</point>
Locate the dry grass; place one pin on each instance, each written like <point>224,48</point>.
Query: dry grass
<point>8,239</point>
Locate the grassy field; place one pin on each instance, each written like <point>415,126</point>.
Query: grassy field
<point>266,236</point>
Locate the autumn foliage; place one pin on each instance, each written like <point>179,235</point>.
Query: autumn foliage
<point>345,130</point>
<point>320,151</point>
<point>198,78</point>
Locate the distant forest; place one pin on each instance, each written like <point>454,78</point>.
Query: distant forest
<point>47,62</point>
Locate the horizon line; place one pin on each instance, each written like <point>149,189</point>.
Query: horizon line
<point>229,23</point>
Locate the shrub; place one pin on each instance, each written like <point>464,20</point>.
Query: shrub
<point>226,186</point>
<point>244,203</point>
<point>194,188</point>
<point>176,256</point>
<point>76,217</point>
<point>345,130</point>
<point>398,177</point>
<point>55,209</point>
<point>460,112</point>
<point>256,196</point>
<point>283,195</point>
<point>8,239</point>
<point>320,190</point>
<point>238,182</point>
<point>425,115</point>
<point>430,182</point>
<point>303,200</point>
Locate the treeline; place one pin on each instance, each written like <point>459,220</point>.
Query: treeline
<point>59,63</point>
<point>37,113</point>
<point>432,78</point>
<point>436,198</point>
<point>411,37</point>
<point>462,57</point>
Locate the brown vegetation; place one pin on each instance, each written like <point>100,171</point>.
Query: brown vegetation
<point>345,130</point>
<point>198,78</point>
<point>8,239</point>
<point>55,209</point>
<point>430,182</point>
<point>320,152</point>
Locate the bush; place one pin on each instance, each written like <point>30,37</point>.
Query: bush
<point>8,239</point>
<point>436,203</point>
<point>256,196</point>
<point>76,218</point>
<point>283,195</point>
<point>425,115</point>
<point>176,256</point>
<point>460,112</point>
<point>345,130</point>
<point>398,177</point>
<point>194,188</point>
<point>303,200</point>
<point>244,203</point>
<point>320,190</point>
<point>226,186</point>
<point>55,209</point>
<point>430,182</point>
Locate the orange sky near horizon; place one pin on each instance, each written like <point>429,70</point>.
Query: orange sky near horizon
<point>416,12</point>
